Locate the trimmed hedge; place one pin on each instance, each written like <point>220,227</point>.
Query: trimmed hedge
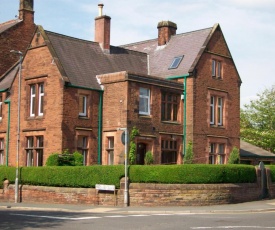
<point>7,173</point>
<point>272,172</point>
<point>89,176</point>
<point>192,174</point>
<point>78,176</point>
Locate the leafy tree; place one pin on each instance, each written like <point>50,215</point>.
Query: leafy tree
<point>189,155</point>
<point>234,157</point>
<point>257,120</point>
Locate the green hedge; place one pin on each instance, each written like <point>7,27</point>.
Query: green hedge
<point>7,173</point>
<point>192,174</point>
<point>88,176</point>
<point>272,172</point>
<point>66,176</point>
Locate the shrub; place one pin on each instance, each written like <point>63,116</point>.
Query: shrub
<point>78,159</point>
<point>234,157</point>
<point>53,160</point>
<point>272,172</point>
<point>189,156</point>
<point>7,173</point>
<point>148,160</point>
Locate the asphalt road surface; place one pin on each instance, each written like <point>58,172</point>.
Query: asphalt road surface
<point>24,219</point>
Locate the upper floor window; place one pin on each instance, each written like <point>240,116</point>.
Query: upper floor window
<point>1,103</point>
<point>175,63</point>
<point>144,101</point>
<point>169,107</point>
<point>216,110</point>
<point>36,100</point>
<point>82,105</point>
<point>216,69</point>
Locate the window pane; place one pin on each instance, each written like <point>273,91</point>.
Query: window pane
<point>212,110</point>
<point>213,68</point>
<point>144,101</point>
<point>41,99</point>
<point>32,100</point>
<point>175,112</point>
<point>220,111</point>
<point>218,69</point>
<point>82,105</point>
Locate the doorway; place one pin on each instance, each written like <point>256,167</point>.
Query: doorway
<point>141,150</point>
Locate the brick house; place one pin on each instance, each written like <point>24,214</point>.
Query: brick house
<point>78,94</point>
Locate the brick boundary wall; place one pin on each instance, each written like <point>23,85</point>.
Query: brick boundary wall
<point>144,194</point>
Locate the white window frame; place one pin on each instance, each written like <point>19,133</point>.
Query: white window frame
<point>220,111</point>
<point>143,99</point>
<point>83,113</point>
<point>40,99</point>
<point>32,100</point>
<point>212,110</point>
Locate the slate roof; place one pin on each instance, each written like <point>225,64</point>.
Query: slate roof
<point>6,25</point>
<point>249,150</point>
<point>82,60</point>
<point>7,78</point>
<point>189,44</point>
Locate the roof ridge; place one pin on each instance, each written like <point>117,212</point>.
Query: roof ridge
<point>10,21</point>
<point>145,41</point>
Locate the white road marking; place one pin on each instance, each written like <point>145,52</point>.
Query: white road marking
<point>59,217</point>
<point>116,216</point>
<point>233,227</point>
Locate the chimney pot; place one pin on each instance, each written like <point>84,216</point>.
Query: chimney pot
<point>100,8</point>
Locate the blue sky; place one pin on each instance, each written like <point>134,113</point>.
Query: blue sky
<point>248,27</point>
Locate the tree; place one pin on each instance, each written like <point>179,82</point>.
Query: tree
<point>189,156</point>
<point>148,159</point>
<point>257,120</point>
<point>234,157</point>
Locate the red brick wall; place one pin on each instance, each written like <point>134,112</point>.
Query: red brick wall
<point>15,38</point>
<point>199,89</point>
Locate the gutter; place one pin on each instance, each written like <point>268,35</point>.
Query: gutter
<point>8,131</point>
<point>99,147</point>
<point>185,76</point>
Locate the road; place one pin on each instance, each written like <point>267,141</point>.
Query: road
<point>31,219</point>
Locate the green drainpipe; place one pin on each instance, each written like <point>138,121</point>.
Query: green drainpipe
<point>100,127</point>
<point>185,76</point>
<point>8,132</point>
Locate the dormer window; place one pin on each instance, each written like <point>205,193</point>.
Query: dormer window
<point>176,62</point>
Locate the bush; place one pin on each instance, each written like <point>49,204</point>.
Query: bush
<point>234,157</point>
<point>192,174</point>
<point>7,173</point>
<point>53,160</point>
<point>189,156</point>
<point>272,172</point>
<point>148,160</point>
<point>78,159</point>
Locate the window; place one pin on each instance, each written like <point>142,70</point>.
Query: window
<point>36,107</point>
<point>41,99</point>
<point>30,149</point>
<point>216,153</point>
<point>216,69</point>
<point>2,151</point>
<point>34,151</point>
<point>168,152</point>
<point>169,107</point>
<point>82,105</point>
<point>175,63</point>
<point>110,150</point>
<point>82,147</point>
<point>144,101</point>
<point>216,110</point>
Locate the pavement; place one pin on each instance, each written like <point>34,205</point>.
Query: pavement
<point>267,205</point>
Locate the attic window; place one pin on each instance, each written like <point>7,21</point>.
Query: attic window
<point>176,62</point>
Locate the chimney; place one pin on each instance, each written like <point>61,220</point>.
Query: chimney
<point>26,12</point>
<point>165,30</point>
<point>102,30</point>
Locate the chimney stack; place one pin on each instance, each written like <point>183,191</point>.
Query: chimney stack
<point>26,12</point>
<point>103,29</point>
<point>165,30</point>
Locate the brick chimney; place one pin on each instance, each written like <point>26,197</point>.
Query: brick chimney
<point>165,30</point>
<point>26,12</point>
<point>102,30</point>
